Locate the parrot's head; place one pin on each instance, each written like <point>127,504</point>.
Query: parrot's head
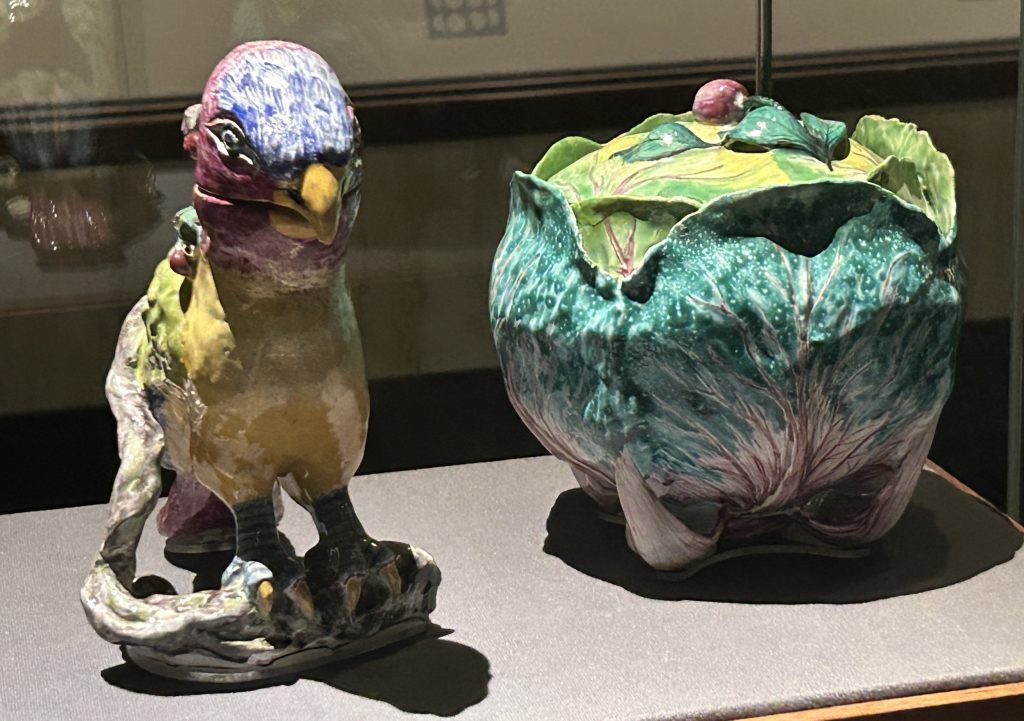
<point>277,152</point>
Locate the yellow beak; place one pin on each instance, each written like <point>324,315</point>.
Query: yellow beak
<point>319,203</point>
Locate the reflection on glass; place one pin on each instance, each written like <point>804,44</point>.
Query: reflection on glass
<point>72,214</point>
<point>78,216</point>
<point>22,10</point>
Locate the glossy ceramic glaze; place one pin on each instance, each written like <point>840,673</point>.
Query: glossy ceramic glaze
<point>733,330</point>
<point>242,371</point>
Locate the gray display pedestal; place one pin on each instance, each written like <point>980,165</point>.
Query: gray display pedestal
<point>578,632</point>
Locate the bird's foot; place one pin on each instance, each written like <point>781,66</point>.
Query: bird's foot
<point>286,592</point>
<point>276,587</point>
<point>271,595</point>
<point>365,575</point>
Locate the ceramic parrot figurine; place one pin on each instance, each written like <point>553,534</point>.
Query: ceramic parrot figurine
<point>242,369</point>
<point>734,323</point>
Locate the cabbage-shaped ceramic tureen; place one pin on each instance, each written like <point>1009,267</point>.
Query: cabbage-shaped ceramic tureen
<point>734,322</point>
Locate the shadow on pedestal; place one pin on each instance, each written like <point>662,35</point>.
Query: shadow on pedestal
<point>945,536</point>
<point>426,675</point>
<point>430,676</point>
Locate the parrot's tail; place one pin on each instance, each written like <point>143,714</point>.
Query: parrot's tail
<point>121,609</point>
<point>140,440</point>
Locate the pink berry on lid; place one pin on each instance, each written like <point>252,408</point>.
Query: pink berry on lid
<point>719,102</point>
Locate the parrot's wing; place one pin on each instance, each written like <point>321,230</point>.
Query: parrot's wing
<point>166,300</point>
<point>161,369</point>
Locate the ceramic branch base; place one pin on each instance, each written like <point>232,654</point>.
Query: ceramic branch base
<point>221,636</point>
<point>204,668</point>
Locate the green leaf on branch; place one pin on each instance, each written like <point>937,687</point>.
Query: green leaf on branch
<point>767,127</point>
<point>663,141</point>
<point>829,136</point>
<point>760,101</point>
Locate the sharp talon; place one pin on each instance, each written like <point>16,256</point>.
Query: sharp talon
<point>265,597</point>
<point>353,589</point>
<point>303,598</point>
<point>394,581</point>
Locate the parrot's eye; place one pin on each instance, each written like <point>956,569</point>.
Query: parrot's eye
<point>231,140</point>
<point>232,144</point>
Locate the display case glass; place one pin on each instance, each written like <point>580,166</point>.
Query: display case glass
<point>453,96</point>
<point>662,340</point>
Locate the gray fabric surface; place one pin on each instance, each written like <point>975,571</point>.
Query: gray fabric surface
<point>533,638</point>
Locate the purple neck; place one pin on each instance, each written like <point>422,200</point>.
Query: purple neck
<point>239,237</point>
